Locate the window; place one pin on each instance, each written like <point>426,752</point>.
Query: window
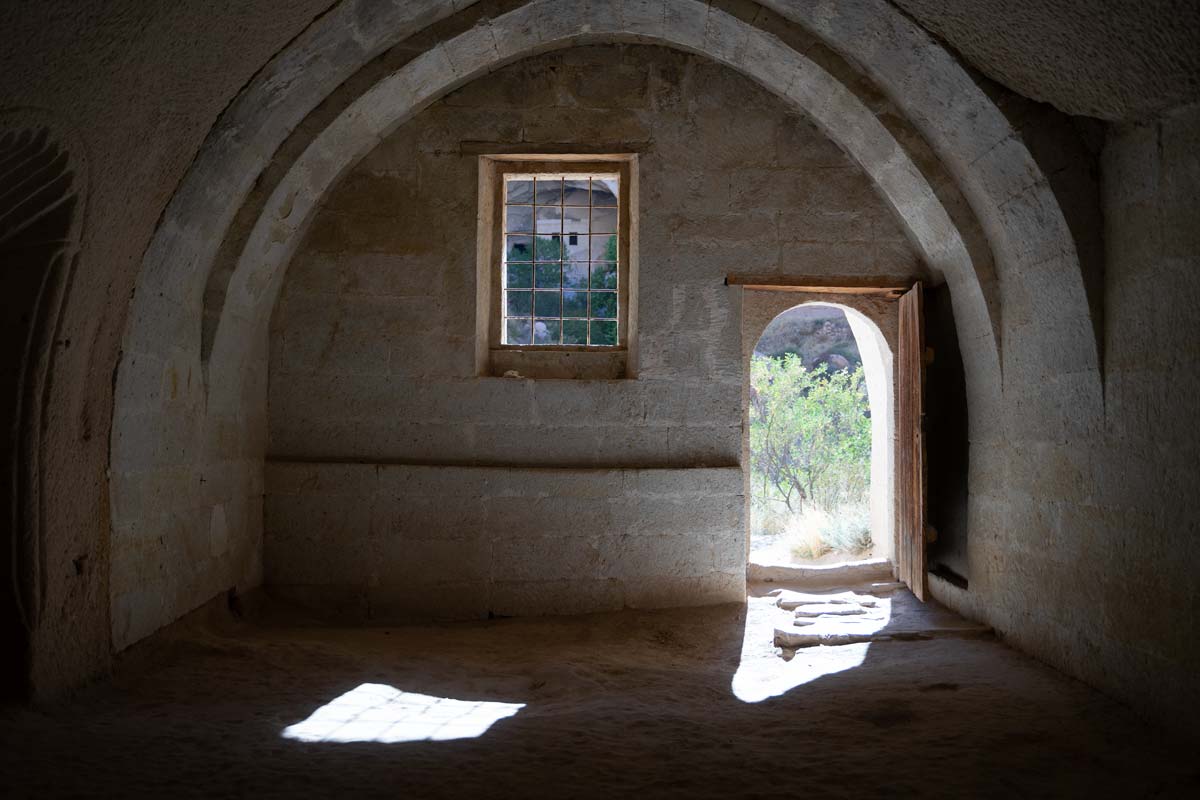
<point>560,259</point>
<point>557,266</point>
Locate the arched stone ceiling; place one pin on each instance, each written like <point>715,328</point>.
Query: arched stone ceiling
<point>354,32</point>
<point>551,24</point>
<point>998,176</point>
<point>1007,190</point>
<point>218,424</point>
<point>1122,60</point>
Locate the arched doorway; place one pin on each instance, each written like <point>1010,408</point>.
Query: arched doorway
<point>820,421</point>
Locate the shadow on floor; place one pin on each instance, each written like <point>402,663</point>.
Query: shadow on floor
<point>629,704</point>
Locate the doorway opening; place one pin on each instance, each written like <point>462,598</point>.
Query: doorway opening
<point>821,422</point>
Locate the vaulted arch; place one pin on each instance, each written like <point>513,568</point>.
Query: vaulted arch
<point>186,404</point>
<point>547,25</point>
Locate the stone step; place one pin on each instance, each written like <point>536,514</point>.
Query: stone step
<point>822,632</point>
<point>788,599</point>
<point>815,577</point>
<point>812,638</point>
<point>829,609</point>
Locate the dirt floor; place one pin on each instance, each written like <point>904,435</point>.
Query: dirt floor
<point>685,703</point>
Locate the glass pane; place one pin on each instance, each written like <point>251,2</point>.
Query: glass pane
<point>546,331</point>
<point>604,333</point>
<point>574,331</point>
<point>516,331</point>
<point>604,305</point>
<point>575,275</point>
<point>604,248</point>
<point>604,276</point>
<point>519,219</point>
<point>549,275</point>
<point>604,220</point>
<point>569,228</point>
<point>604,191</point>
<point>549,191</point>
<point>547,304</point>
<point>549,248</point>
<point>575,220</point>
<point>520,276</point>
<point>576,247</point>
<point>574,304</point>
<point>519,248</point>
<point>575,192</point>
<point>519,192</point>
<point>549,219</point>
<point>519,304</point>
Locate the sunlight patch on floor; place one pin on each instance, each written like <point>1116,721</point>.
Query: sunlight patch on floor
<point>374,712</point>
<point>763,672</point>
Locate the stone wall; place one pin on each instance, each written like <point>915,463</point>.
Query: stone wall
<point>1082,485</point>
<point>216,264</point>
<point>1138,532</point>
<point>1084,552</point>
<point>99,71</point>
<point>394,542</point>
<point>372,342</point>
<point>188,429</point>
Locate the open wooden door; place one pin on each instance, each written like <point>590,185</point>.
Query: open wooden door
<point>910,444</point>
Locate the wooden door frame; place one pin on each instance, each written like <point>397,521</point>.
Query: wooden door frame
<point>891,288</point>
<point>911,470</point>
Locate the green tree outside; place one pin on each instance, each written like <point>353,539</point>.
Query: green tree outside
<point>810,448</point>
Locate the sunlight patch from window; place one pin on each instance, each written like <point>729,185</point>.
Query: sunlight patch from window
<point>374,712</point>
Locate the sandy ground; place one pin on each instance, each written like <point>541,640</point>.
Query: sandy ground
<point>685,703</point>
<point>779,550</point>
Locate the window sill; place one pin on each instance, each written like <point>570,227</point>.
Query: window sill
<point>551,363</point>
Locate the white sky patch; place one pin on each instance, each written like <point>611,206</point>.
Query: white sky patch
<point>374,712</point>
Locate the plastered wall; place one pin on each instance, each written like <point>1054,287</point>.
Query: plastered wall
<point>372,350</point>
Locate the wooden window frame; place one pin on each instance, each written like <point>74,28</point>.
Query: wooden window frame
<point>553,360</point>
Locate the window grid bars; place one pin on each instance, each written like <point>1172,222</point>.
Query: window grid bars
<point>590,294</point>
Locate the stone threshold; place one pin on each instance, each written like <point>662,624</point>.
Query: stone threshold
<point>870,570</point>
